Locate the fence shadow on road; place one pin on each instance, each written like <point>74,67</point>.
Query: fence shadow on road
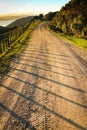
<point>57,54</point>
<point>27,124</point>
<point>50,65</point>
<point>51,80</point>
<point>12,113</point>
<point>49,92</point>
<point>55,61</point>
<point>52,57</point>
<point>40,105</point>
<point>51,71</point>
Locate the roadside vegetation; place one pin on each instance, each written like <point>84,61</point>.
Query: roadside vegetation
<point>16,47</point>
<point>72,19</point>
<point>82,43</point>
<point>71,23</point>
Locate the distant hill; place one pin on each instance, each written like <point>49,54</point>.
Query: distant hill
<point>2,28</point>
<point>20,22</point>
<point>72,19</point>
<point>15,24</point>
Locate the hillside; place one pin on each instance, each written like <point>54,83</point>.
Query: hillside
<point>15,24</point>
<point>20,22</point>
<point>72,19</point>
<point>2,29</point>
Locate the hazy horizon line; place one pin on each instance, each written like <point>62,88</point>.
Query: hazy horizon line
<point>14,16</point>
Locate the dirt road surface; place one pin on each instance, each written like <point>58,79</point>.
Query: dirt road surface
<point>46,87</point>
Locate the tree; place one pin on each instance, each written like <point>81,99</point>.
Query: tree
<point>41,16</point>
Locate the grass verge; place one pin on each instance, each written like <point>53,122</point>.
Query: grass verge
<point>82,43</point>
<point>79,42</point>
<point>15,51</point>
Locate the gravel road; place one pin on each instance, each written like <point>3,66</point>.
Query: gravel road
<point>46,87</point>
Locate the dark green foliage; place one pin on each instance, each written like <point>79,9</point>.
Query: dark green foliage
<point>72,19</point>
<point>35,18</point>
<point>41,16</point>
<point>50,16</point>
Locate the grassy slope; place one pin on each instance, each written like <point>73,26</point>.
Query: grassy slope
<point>82,43</point>
<point>16,49</point>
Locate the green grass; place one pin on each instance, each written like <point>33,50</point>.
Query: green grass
<point>82,43</point>
<point>16,49</point>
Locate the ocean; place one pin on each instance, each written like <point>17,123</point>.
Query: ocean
<point>4,23</point>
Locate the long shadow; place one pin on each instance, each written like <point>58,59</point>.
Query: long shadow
<point>52,57</point>
<point>45,70</point>
<point>45,64</point>
<point>49,92</point>
<point>45,108</point>
<point>45,59</point>
<point>12,113</point>
<point>51,80</point>
<point>35,53</point>
<point>66,99</point>
<point>58,54</point>
<point>36,49</point>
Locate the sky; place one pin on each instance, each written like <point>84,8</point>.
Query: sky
<point>17,8</point>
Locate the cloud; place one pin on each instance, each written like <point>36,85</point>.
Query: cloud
<point>15,16</point>
<point>25,6</point>
<point>14,9</point>
<point>3,18</point>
